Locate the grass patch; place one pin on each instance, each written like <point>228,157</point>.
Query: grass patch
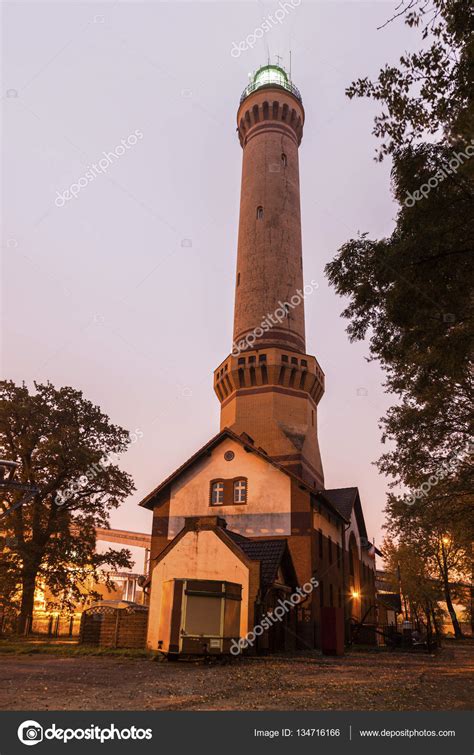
<point>32,647</point>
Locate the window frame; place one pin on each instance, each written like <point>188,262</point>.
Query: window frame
<point>236,482</point>
<point>218,481</point>
<point>228,484</point>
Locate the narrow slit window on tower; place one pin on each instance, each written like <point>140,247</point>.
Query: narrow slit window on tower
<point>238,279</point>
<point>253,380</point>
<point>264,374</point>
<point>259,212</point>
<point>284,161</point>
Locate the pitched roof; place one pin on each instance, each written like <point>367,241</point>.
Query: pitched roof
<point>347,500</point>
<point>390,600</point>
<point>270,553</point>
<point>209,446</point>
<point>343,499</point>
<point>147,502</point>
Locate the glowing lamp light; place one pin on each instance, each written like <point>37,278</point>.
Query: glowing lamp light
<point>355,594</point>
<point>446,540</point>
<point>271,75</point>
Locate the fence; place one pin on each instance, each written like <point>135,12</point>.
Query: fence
<point>109,626</point>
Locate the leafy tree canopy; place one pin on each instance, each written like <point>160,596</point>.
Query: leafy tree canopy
<point>66,449</point>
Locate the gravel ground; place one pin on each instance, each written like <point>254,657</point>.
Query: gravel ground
<point>358,681</point>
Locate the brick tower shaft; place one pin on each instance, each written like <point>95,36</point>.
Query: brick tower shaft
<point>269,258</point>
<point>269,387</point>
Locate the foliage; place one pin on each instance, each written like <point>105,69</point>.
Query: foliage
<point>59,438</point>
<point>430,91</point>
<point>411,573</point>
<point>411,294</point>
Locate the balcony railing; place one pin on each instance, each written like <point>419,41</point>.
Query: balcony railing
<point>288,85</point>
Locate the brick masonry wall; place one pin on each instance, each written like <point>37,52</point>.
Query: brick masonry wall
<point>304,545</point>
<point>118,629</point>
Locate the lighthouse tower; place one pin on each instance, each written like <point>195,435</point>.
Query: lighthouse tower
<point>247,517</point>
<point>268,387</point>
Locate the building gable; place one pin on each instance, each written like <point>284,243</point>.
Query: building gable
<point>267,511</point>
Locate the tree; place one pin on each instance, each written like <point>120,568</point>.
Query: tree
<point>441,548</point>
<point>9,582</point>
<point>411,293</point>
<point>430,92</point>
<point>65,447</point>
<point>409,573</point>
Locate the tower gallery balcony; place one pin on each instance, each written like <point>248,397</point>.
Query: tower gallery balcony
<point>269,367</point>
<point>271,76</point>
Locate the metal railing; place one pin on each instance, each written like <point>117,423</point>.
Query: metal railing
<point>289,86</point>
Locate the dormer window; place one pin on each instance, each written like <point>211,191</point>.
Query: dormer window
<point>217,493</point>
<point>240,491</point>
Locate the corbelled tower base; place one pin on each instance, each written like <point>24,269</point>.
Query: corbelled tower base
<point>272,395</point>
